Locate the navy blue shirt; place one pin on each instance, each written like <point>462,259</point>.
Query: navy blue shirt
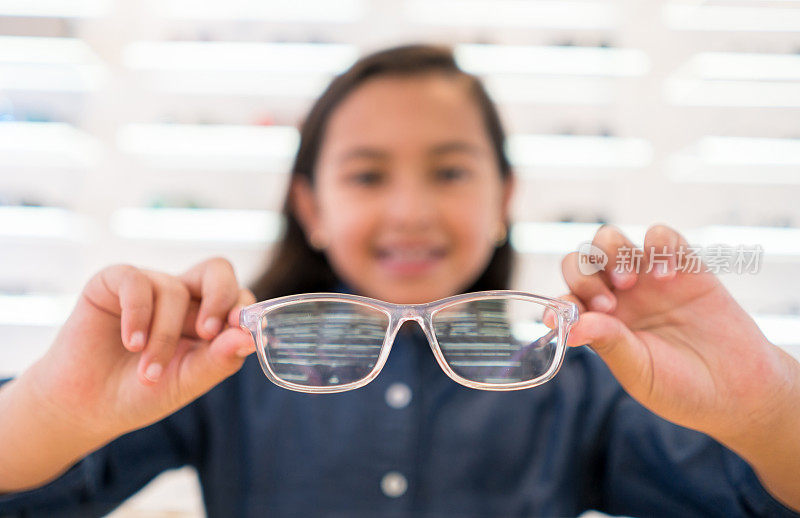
<point>575,443</point>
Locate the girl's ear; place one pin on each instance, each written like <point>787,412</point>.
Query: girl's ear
<point>304,205</point>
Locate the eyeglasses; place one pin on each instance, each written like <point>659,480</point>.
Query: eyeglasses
<point>333,342</point>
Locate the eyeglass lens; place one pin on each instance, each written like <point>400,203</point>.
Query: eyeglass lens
<point>497,341</point>
<point>323,343</point>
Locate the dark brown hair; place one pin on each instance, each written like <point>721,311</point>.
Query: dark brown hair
<point>295,267</point>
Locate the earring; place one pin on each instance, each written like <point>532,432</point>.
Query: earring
<point>317,241</point>
<point>501,235</point>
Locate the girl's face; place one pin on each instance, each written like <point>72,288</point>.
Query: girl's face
<point>408,197</point>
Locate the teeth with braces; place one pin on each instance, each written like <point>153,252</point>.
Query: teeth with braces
<point>409,255</point>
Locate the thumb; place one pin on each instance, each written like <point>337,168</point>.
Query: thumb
<point>206,366</point>
<point>623,352</point>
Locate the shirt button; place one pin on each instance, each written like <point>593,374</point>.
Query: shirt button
<point>398,395</point>
<point>394,484</point>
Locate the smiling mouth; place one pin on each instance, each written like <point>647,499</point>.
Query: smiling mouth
<point>411,260</point>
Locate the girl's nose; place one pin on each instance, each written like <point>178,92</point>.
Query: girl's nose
<point>411,203</point>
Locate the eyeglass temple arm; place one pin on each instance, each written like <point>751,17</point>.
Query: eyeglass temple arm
<point>525,349</point>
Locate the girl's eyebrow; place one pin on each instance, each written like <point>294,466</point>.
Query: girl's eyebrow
<point>439,149</point>
<point>456,146</point>
<point>363,152</point>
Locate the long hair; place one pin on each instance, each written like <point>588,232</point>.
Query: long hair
<point>295,267</point>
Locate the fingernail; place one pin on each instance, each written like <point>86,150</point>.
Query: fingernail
<point>137,341</point>
<point>153,372</point>
<point>241,353</point>
<point>602,303</point>
<point>212,325</point>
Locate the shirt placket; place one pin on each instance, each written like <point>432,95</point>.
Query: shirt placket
<point>397,389</point>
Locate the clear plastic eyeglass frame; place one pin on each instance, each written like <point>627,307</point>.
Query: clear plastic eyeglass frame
<point>566,313</point>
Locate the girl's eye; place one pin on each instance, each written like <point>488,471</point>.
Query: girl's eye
<point>449,174</point>
<point>366,178</point>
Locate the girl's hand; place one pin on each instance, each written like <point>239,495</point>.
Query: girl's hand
<point>679,343</point>
<point>139,345</point>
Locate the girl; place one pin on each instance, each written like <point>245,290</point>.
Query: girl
<point>400,191</point>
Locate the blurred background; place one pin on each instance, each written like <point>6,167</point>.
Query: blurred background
<point>160,133</point>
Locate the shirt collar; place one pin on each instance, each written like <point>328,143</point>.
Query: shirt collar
<point>343,287</point>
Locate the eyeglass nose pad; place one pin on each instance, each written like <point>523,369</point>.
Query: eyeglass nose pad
<point>424,323</point>
<point>427,329</point>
